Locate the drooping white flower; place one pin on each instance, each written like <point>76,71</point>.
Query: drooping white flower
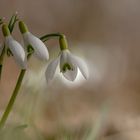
<point>16,50</point>
<point>68,64</point>
<point>40,50</point>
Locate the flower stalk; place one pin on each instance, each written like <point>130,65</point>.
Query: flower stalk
<point>12,99</point>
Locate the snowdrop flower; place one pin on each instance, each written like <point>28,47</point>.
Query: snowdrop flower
<point>40,50</point>
<point>15,48</point>
<point>68,64</point>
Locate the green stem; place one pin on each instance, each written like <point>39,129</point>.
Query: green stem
<point>62,39</point>
<point>50,36</point>
<point>12,99</point>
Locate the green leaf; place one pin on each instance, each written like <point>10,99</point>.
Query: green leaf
<point>12,22</point>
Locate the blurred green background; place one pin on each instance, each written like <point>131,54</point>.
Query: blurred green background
<point>103,32</point>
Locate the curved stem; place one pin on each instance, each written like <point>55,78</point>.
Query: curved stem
<point>50,36</point>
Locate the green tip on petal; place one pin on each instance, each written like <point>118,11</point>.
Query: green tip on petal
<point>5,30</point>
<point>66,67</point>
<point>23,28</point>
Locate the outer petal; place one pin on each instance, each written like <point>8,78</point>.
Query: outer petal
<point>17,51</point>
<point>80,64</point>
<point>41,50</point>
<point>51,69</point>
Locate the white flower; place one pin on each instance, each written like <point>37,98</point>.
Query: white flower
<point>40,50</point>
<point>68,64</point>
<point>16,50</point>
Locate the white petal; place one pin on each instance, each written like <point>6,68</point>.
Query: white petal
<point>41,50</point>
<point>71,74</point>
<point>17,51</point>
<point>51,69</point>
<point>80,64</point>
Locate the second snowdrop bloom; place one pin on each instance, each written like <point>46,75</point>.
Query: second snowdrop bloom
<point>15,48</point>
<point>68,65</point>
<point>40,50</point>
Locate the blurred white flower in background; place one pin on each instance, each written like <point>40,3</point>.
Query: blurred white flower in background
<point>35,80</point>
